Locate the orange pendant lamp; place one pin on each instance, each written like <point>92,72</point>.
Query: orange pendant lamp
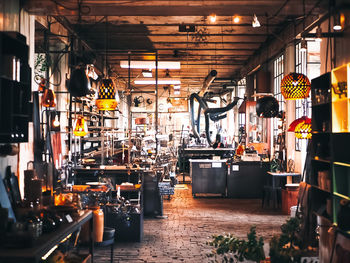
<point>301,128</point>
<point>295,86</point>
<point>48,99</point>
<point>106,95</point>
<point>80,127</point>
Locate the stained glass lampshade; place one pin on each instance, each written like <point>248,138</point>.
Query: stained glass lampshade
<point>295,86</point>
<point>106,95</point>
<point>301,128</point>
<point>80,127</point>
<point>48,99</point>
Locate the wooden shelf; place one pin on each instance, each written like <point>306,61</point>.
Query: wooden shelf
<point>342,164</point>
<point>321,160</point>
<point>342,196</point>
<point>321,189</point>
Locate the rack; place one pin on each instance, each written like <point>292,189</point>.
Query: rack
<point>330,176</point>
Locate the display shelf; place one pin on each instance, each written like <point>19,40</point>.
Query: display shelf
<point>321,189</point>
<point>317,159</point>
<point>342,164</point>
<point>339,75</point>
<point>340,116</point>
<point>342,196</point>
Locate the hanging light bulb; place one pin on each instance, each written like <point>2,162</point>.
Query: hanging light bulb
<point>337,23</point>
<point>48,99</point>
<point>80,127</point>
<point>255,22</point>
<point>318,34</point>
<point>106,95</point>
<point>212,18</point>
<point>56,122</point>
<point>303,45</point>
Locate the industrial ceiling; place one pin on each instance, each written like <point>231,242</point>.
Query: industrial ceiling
<point>178,30</point>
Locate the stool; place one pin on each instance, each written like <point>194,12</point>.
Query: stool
<point>108,240</point>
<point>105,243</point>
<point>271,194</point>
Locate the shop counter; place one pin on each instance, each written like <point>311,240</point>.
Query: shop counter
<point>246,179</point>
<point>208,176</point>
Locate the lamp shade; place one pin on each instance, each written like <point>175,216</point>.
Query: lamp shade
<point>80,127</point>
<point>267,107</point>
<point>79,84</point>
<point>295,86</point>
<point>106,95</point>
<point>301,128</point>
<point>48,99</point>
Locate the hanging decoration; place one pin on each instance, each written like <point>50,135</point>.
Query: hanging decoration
<point>295,86</point>
<point>80,126</point>
<point>106,95</point>
<point>267,107</point>
<point>48,99</point>
<point>301,128</point>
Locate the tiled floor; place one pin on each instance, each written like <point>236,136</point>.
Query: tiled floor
<point>182,236</point>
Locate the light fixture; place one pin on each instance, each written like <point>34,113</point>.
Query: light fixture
<point>236,19</point>
<point>150,64</point>
<point>80,126</point>
<point>161,81</point>
<point>295,86</point>
<point>106,95</point>
<point>147,73</point>
<point>177,87</point>
<point>255,22</point>
<point>301,128</point>
<point>212,18</point>
<point>55,121</point>
<point>337,23</point>
<point>318,34</point>
<point>48,99</point>
<point>176,92</point>
<point>303,45</point>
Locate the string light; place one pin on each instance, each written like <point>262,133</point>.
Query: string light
<point>212,18</point>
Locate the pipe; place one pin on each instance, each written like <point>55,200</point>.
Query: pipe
<point>207,81</point>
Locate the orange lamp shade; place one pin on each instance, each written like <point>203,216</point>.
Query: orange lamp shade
<point>48,99</point>
<point>295,86</point>
<point>301,128</point>
<point>80,127</point>
<point>106,95</point>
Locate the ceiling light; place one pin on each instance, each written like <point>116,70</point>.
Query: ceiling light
<point>150,64</point>
<point>161,81</point>
<point>212,18</point>
<point>147,73</point>
<point>236,19</point>
<point>318,34</point>
<point>176,92</point>
<point>337,24</point>
<point>80,126</point>
<point>255,22</point>
<point>301,128</point>
<point>303,45</point>
<point>177,87</point>
<point>48,99</point>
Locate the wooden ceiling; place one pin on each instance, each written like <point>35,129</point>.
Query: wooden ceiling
<point>125,27</point>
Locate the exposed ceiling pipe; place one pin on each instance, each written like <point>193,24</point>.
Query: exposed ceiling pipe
<point>207,81</point>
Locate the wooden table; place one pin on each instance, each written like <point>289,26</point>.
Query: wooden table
<point>46,242</point>
<point>276,175</point>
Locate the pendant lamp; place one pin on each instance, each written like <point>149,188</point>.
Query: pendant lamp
<point>301,128</point>
<point>295,86</point>
<point>106,95</point>
<point>48,99</point>
<point>80,127</point>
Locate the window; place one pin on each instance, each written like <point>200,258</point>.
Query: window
<point>278,72</point>
<point>307,63</point>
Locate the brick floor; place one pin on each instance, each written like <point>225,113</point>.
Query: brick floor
<point>182,236</point>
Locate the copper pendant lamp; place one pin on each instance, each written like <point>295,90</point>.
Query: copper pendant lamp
<point>106,95</point>
<point>295,86</point>
<point>301,128</point>
<point>80,126</point>
<point>48,99</point>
